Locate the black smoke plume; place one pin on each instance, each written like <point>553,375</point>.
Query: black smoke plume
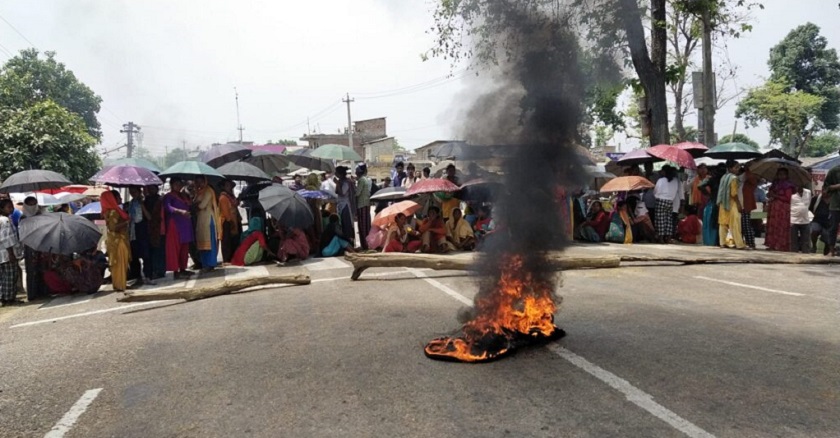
<point>535,108</point>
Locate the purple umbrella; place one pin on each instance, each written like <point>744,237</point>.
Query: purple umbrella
<point>273,148</point>
<point>222,154</point>
<point>636,157</point>
<point>125,175</point>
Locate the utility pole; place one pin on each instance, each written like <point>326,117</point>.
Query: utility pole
<point>709,98</point>
<point>348,100</point>
<point>129,129</point>
<point>238,122</point>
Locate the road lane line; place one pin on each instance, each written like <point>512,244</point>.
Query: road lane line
<point>749,286</point>
<point>444,288</point>
<point>66,301</point>
<point>633,394</point>
<point>69,419</point>
<point>378,274</point>
<point>79,315</point>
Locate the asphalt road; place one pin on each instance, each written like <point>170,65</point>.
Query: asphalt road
<point>726,351</point>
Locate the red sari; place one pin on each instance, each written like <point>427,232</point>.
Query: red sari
<point>778,217</point>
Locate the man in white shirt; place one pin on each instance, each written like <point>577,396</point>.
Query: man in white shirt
<point>800,221</point>
<point>327,183</point>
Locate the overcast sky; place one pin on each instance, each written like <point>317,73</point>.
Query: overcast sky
<point>171,66</point>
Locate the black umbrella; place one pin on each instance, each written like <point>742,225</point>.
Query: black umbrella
<point>289,208</point>
<point>33,181</point>
<point>241,171</point>
<point>59,233</point>
<point>304,158</point>
<point>389,194</point>
<point>270,162</point>
<point>222,154</point>
<point>766,168</point>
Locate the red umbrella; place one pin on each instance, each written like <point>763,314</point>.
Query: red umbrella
<point>694,148</point>
<point>674,154</point>
<point>387,216</point>
<point>432,185</point>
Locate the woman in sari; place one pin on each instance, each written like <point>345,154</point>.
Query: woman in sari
<point>253,246</point>
<point>207,224</point>
<point>596,225</point>
<point>177,228</point>
<point>291,243</point>
<point>119,254</point>
<point>231,221</point>
<point>398,239</point>
<point>778,212</point>
<point>621,225</point>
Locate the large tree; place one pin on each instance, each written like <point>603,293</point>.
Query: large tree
<point>803,61</point>
<point>793,116</point>
<point>802,96</point>
<point>739,138</point>
<point>488,32</point>
<point>27,79</point>
<point>822,144</point>
<point>46,136</point>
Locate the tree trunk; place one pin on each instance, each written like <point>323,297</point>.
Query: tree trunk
<point>649,66</point>
<point>709,100</point>
<point>223,288</point>
<point>464,261</point>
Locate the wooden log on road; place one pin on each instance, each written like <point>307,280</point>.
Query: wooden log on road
<point>730,256</point>
<point>463,261</point>
<point>214,290</point>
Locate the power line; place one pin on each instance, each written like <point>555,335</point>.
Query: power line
<point>429,82</point>
<point>17,31</point>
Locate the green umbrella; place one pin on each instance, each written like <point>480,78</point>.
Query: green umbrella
<point>336,152</point>
<point>241,171</point>
<point>189,170</point>
<point>136,162</point>
<point>734,151</point>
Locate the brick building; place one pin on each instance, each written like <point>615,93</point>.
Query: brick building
<point>364,131</point>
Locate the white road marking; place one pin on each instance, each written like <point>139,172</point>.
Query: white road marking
<point>69,419</point>
<point>66,301</point>
<point>749,286</point>
<point>79,315</point>
<point>379,274</point>
<point>325,264</point>
<point>254,271</point>
<point>633,394</point>
<point>446,289</point>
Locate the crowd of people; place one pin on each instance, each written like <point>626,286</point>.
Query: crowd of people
<point>714,208</point>
<point>151,234</point>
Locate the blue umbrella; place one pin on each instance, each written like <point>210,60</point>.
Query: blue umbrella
<point>92,208</point>
<point>316,194</point>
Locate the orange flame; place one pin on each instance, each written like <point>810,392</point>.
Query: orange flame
<point>519,306</point>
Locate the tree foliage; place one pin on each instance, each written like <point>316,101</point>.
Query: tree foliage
<point>484,32</point>
<point>793,116</point>
<point>46,136</point>
<point>803,61</point>
<point>738,138</point>
<point>822,144</point>
<point>27,80</point>
<point>174,156</point>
